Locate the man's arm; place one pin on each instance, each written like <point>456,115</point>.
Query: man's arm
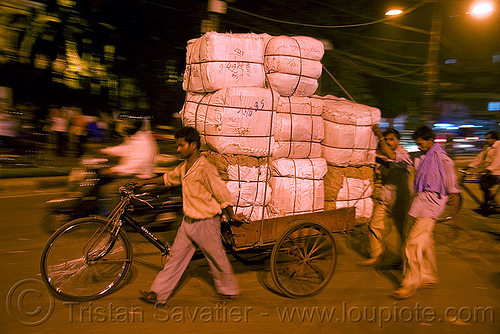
<point>384,148</point>
<point>169,179</point>
<point>477,159</point>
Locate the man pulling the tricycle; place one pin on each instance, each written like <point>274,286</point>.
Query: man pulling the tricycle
<point>205,198</point>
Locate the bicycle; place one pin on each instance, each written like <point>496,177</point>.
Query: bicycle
<point>468,178</point>
<point>88,257</point>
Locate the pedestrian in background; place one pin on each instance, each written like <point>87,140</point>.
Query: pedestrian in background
<point>78,131</point>
<point>59,127</point>
<point>435,180</point>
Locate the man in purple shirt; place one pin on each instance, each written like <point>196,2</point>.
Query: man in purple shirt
<point>435,181</point>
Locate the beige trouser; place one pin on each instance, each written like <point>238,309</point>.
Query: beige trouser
<point>378,228</point>
<point>206,235</point>
<point>420,257</point>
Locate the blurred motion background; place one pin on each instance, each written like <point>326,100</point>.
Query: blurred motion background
<point>75,66</point>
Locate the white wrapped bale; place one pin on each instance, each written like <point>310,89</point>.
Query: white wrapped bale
<point>299,128</point>
<point>233,120</point>
<point>253,212</point>
<point>349,139</point>
<point>293,64</point>
<point>247,180</point>
<point>364,207</point>
<point>348,187</point>
<point>215,60</point>
<point>248,185</point>
<point>297,186</point>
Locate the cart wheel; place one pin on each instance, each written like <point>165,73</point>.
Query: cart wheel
<point>303,260</point>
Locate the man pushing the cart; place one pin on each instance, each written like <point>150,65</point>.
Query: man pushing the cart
<point>204,197</point>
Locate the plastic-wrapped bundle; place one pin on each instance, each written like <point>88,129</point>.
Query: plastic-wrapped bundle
<point>364,207</point>
<point>249,186</point>
<point>349,139</point>
<point>215,60</point>
<point>234,120</point>
<point>350,186</point>
<point>247,180</point>
<point>297,186</point>
<point>253,212</point>
<point>293,64</point>
<point>299,128</point>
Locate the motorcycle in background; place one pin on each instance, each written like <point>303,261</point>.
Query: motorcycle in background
<point>82,199</point>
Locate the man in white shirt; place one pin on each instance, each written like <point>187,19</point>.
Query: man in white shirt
<point>137,154</point>
<point>489,162</point>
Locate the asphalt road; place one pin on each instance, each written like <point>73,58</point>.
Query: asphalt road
<point>356,300</point>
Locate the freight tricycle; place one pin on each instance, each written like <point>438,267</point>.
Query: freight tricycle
<point>88,258</point>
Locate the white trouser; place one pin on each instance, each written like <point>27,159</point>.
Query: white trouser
<point>420,257</point>
<point>206,235</point>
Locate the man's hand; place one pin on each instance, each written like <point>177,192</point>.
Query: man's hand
<point>377,131</point>
<point>237,218</point>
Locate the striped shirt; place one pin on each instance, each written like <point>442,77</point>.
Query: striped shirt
<point>204,194</point>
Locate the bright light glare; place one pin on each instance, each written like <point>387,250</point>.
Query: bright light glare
<point>481,9</point>
<point>393,12</point>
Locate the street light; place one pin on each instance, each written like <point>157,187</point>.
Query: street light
<point>479,9</point>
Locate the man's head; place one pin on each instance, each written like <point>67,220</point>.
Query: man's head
<point>188,141</point>
<point>491,137</point>
<point>424,138</point>
<point>392,137</point>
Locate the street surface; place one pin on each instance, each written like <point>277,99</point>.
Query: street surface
<point>467,299</point>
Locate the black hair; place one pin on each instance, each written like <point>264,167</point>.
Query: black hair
<point>423,132</point>
<point>492,134</point>
<point>190,134</point>
<point>393,131</point>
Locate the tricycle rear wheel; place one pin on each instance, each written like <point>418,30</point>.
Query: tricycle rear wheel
<point>303,259</point>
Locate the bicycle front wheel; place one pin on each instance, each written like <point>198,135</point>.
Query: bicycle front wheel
<point>84,261</point>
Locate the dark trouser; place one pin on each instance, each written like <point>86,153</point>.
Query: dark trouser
<point>486,182</point>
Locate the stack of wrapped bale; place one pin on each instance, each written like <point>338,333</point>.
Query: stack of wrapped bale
<point>227,101</point>
<point>349,148</point>
<point>245,124</point>
<point>215,61</point>
<point>292,66</point>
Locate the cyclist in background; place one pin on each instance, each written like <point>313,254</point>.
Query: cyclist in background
<point>489,162</point>
<point>138,154</point>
